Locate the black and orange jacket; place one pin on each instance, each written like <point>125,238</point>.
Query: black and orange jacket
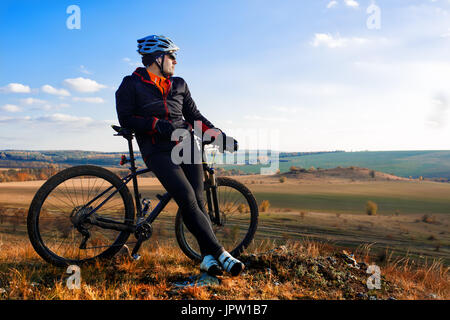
<point>143,98</point>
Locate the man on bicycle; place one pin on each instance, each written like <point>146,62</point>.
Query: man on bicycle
<point>154,103</point>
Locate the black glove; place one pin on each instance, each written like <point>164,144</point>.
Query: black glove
<point>231,144</point>
<point>228,143</point>
<point>164,128</point>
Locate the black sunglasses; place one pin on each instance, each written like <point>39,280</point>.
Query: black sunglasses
<point>172,55</point>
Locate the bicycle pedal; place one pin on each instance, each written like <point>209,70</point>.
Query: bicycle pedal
<point>136,256</point>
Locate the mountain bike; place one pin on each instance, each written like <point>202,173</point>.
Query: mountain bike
<point>85,213</point>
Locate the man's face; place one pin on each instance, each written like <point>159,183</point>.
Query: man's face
<point>169,64</point>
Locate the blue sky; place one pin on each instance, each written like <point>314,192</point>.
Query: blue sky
<point>310,73</point>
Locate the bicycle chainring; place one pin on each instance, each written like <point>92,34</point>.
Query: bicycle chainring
<point>143,231</point>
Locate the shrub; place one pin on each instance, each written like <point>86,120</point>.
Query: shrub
<point>372,173</point>
<point>264,206</point>
<point>242,208</point>
<point>283,179</point>
<point>295,169</point>
<point>371,208</point>
<point>428,218</point>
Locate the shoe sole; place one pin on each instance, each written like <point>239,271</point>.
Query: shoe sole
<point>237,269</point>
<point>213,271</point>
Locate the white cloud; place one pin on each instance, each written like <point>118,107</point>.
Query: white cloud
<point>5,119</point>
<point>31,101</point>
<point>132,63</point>
<point>11,108</point>
<point>48,107</point>
<point>83,85</point>
<point>64,120</point>
<point>289,110</point>
<point>84,70</point>
<point>271,119</point>
<point>438,116</point>
<point>90,99</point>
<point>330,41</point>
<point>61,117</point>
<point>16,88</point>
<point>351,3</point>
<point>57,92</point>
<point>332,4</point>
<point>446,35</point>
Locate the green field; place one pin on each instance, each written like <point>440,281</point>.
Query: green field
<point>429,164</point>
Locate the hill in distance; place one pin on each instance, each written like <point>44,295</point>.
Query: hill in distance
<point>406,164</point>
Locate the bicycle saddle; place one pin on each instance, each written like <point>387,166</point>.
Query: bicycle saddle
<point>123,131</point>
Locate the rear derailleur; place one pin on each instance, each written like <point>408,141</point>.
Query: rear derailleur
<point>78,219</point>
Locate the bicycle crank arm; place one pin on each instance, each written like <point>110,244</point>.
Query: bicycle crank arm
<point>143,232</point>
<point>134,253</point>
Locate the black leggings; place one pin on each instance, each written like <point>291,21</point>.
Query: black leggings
<point>184,183</point>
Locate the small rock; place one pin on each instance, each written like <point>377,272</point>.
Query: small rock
<point>361,295</point>
<point>391,298</point>
<point>332,260</point>
<point>203,279</point>
<point>433,296</point>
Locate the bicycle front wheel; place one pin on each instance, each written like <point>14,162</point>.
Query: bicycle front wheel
<point>238,220</point>
<point>56,225</point>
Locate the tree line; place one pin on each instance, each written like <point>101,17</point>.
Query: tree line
<point>28,174</point>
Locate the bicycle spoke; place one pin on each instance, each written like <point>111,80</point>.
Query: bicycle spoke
<point>56,228</point>
<point>235,215</point>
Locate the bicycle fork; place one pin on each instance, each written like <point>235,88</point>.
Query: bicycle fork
<point>211,195</point>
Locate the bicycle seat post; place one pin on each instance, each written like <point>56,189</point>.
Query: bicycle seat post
<point>133,171</point>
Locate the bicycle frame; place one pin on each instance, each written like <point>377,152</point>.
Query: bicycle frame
<point>210,188</point>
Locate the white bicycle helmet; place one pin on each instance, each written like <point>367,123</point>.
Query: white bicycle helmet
<point>154,44</point>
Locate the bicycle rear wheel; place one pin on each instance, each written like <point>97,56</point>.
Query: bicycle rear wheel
<point>56,225</point>
<point>239,220</point>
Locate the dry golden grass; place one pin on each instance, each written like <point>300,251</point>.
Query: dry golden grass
<point>287,272</point>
